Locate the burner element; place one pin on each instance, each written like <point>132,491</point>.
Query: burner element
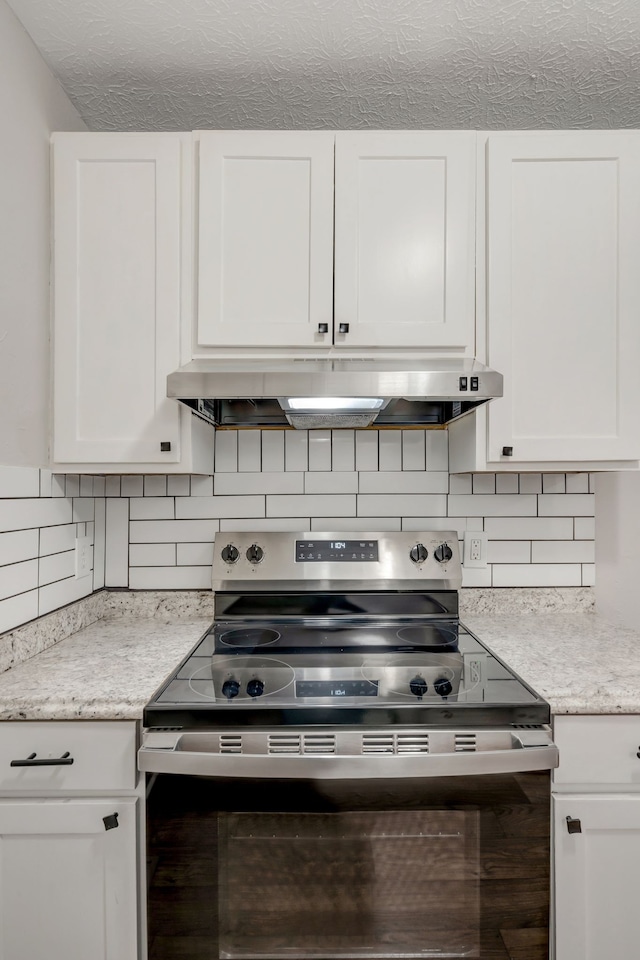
<point>429,637</point>
<point>249,638</point>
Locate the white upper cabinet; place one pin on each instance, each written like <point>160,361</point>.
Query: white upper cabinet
<point>118,301</point>
<point>404,239</point>
<point>265,239</point>
<point>404,245</point>
<point>563,295</point>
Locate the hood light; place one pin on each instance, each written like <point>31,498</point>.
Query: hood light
<point>332,403</point>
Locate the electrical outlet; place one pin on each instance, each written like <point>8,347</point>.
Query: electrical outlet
<point>83,557</point>
<point>475,549</point>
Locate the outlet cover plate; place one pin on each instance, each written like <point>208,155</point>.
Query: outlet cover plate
<point>475,549</point>
<point>83,557</point>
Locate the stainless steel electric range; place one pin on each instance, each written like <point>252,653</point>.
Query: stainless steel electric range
<point>330,653</point>
<point>347,770</point>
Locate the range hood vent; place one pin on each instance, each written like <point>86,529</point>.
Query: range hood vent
<point>323,393</point>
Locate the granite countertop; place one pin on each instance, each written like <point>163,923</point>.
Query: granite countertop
<point>109,669</point>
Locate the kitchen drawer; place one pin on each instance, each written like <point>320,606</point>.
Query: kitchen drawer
<point>103,754</point>
<point>598,750</point>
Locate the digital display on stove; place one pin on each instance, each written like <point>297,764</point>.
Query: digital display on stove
<point>336,688</point>
<point>330,551</point>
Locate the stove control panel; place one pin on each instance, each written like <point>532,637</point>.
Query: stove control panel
<point>429,559</point>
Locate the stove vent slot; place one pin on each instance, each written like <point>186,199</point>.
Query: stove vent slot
<point>319,743</point>
<point>285,743</point>
<point>230,743</point>
<point>378,743</point>
<point>528,726</point>
<point>412,743</point>
<point>465,743</point>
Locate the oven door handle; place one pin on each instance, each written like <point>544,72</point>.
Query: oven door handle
<point>199,762</point>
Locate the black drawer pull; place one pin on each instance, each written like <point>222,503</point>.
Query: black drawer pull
<point>343,328</point>
<point>574,825</point>
<point>64,761</point>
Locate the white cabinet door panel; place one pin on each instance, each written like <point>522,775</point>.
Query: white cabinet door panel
<point>117,296</point>
<point>404,273</point>
<point>67,884</point>
<point>563,292</point>
<point>597,877</point>
<point>266,238</point>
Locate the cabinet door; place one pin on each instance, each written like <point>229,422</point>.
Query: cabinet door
<point>597,877</point>
<point>117,222</point>
<point>563,294</point>
<point>405,214</point>
<point>266,239</point>
<point>67,884</point>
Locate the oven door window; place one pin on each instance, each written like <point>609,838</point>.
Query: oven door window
<point>366,884</point>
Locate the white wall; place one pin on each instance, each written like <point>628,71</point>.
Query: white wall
<point>618,547</point>
<point>32,105</point>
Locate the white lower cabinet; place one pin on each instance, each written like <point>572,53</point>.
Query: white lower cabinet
<point>68,882</point>
<point>596,826</point>
<point>71,842</point>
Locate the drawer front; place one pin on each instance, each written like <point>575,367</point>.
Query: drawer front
<point>103,755</point>
<point>598,750</point>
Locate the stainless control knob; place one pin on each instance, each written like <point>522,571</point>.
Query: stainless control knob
<point>419,553</point>
<point>443,687</point>
<point>230,553</point>
<point>443,553</point>
<point>255,553</point>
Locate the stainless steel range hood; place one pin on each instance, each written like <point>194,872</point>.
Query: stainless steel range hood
<point>312,393</point>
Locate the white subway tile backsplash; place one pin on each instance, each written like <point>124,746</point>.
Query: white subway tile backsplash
<point>179,486</point>
<point>509,551</point>
<point>176,531</point>
<point>584,528</point>
<point>18,578</point>
<point>226,451</point>
<point>475,523</point>
<point>58,566</point>
<point>530,482</point>
<point>410,504</point>
<point>319,449</point>
<point>588,574</point>
<point>153,554</point>
<point>359,524</point>
<point>194,554</point>
<point>86,486</point>
<point>563,551</point>
<point>476,576</point>
<point>457,525</point>
<point>99,543</point>
<point>498,505</point>
<point>112,487</point>
<point>413,450</point>
<point>131,487</point>
<point>390,450</point>
<point>170,578</point>
<point>566,505</point>
<point>405,482</point>
<point>273,451</point>
<point>99,486</point>
<point>312,505</point>
<point>203,486</point>
<point>58,485</point>
<point>151,508</point>
<point>484,483</point>
<point>241,525</point>
<point>18,546</point>
<point>188,508</point>
<point>537,575</point>
<point>18,610</point>
<point>249,451</point>
<point>577,483</point>
<point>57,539</point>
<point>72,487</point>
<point>366,450</point>
<point>82,509</point>
<point>329,482</point>
<point>296,450</point>
<point>116,568</point>
<point>46,483</point>
<point>26,514</point>
<point>553,483</point>
<point>529,528</point>
<point>155,486</point>
<point>437,449</point>
<point>19,482</point>
<point>228,484</point>
<point>343,450</point>
<point>460,483</point>
<point>57,594</point>
<point>507,483</point>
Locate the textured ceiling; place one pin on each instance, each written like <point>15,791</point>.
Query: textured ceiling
<point>189,64</point>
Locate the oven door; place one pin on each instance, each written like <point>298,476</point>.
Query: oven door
<point>438,867</point>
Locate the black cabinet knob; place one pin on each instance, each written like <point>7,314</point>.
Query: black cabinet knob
<point>323,328</point>
<point>343,328</point>
<point>507,451</point>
